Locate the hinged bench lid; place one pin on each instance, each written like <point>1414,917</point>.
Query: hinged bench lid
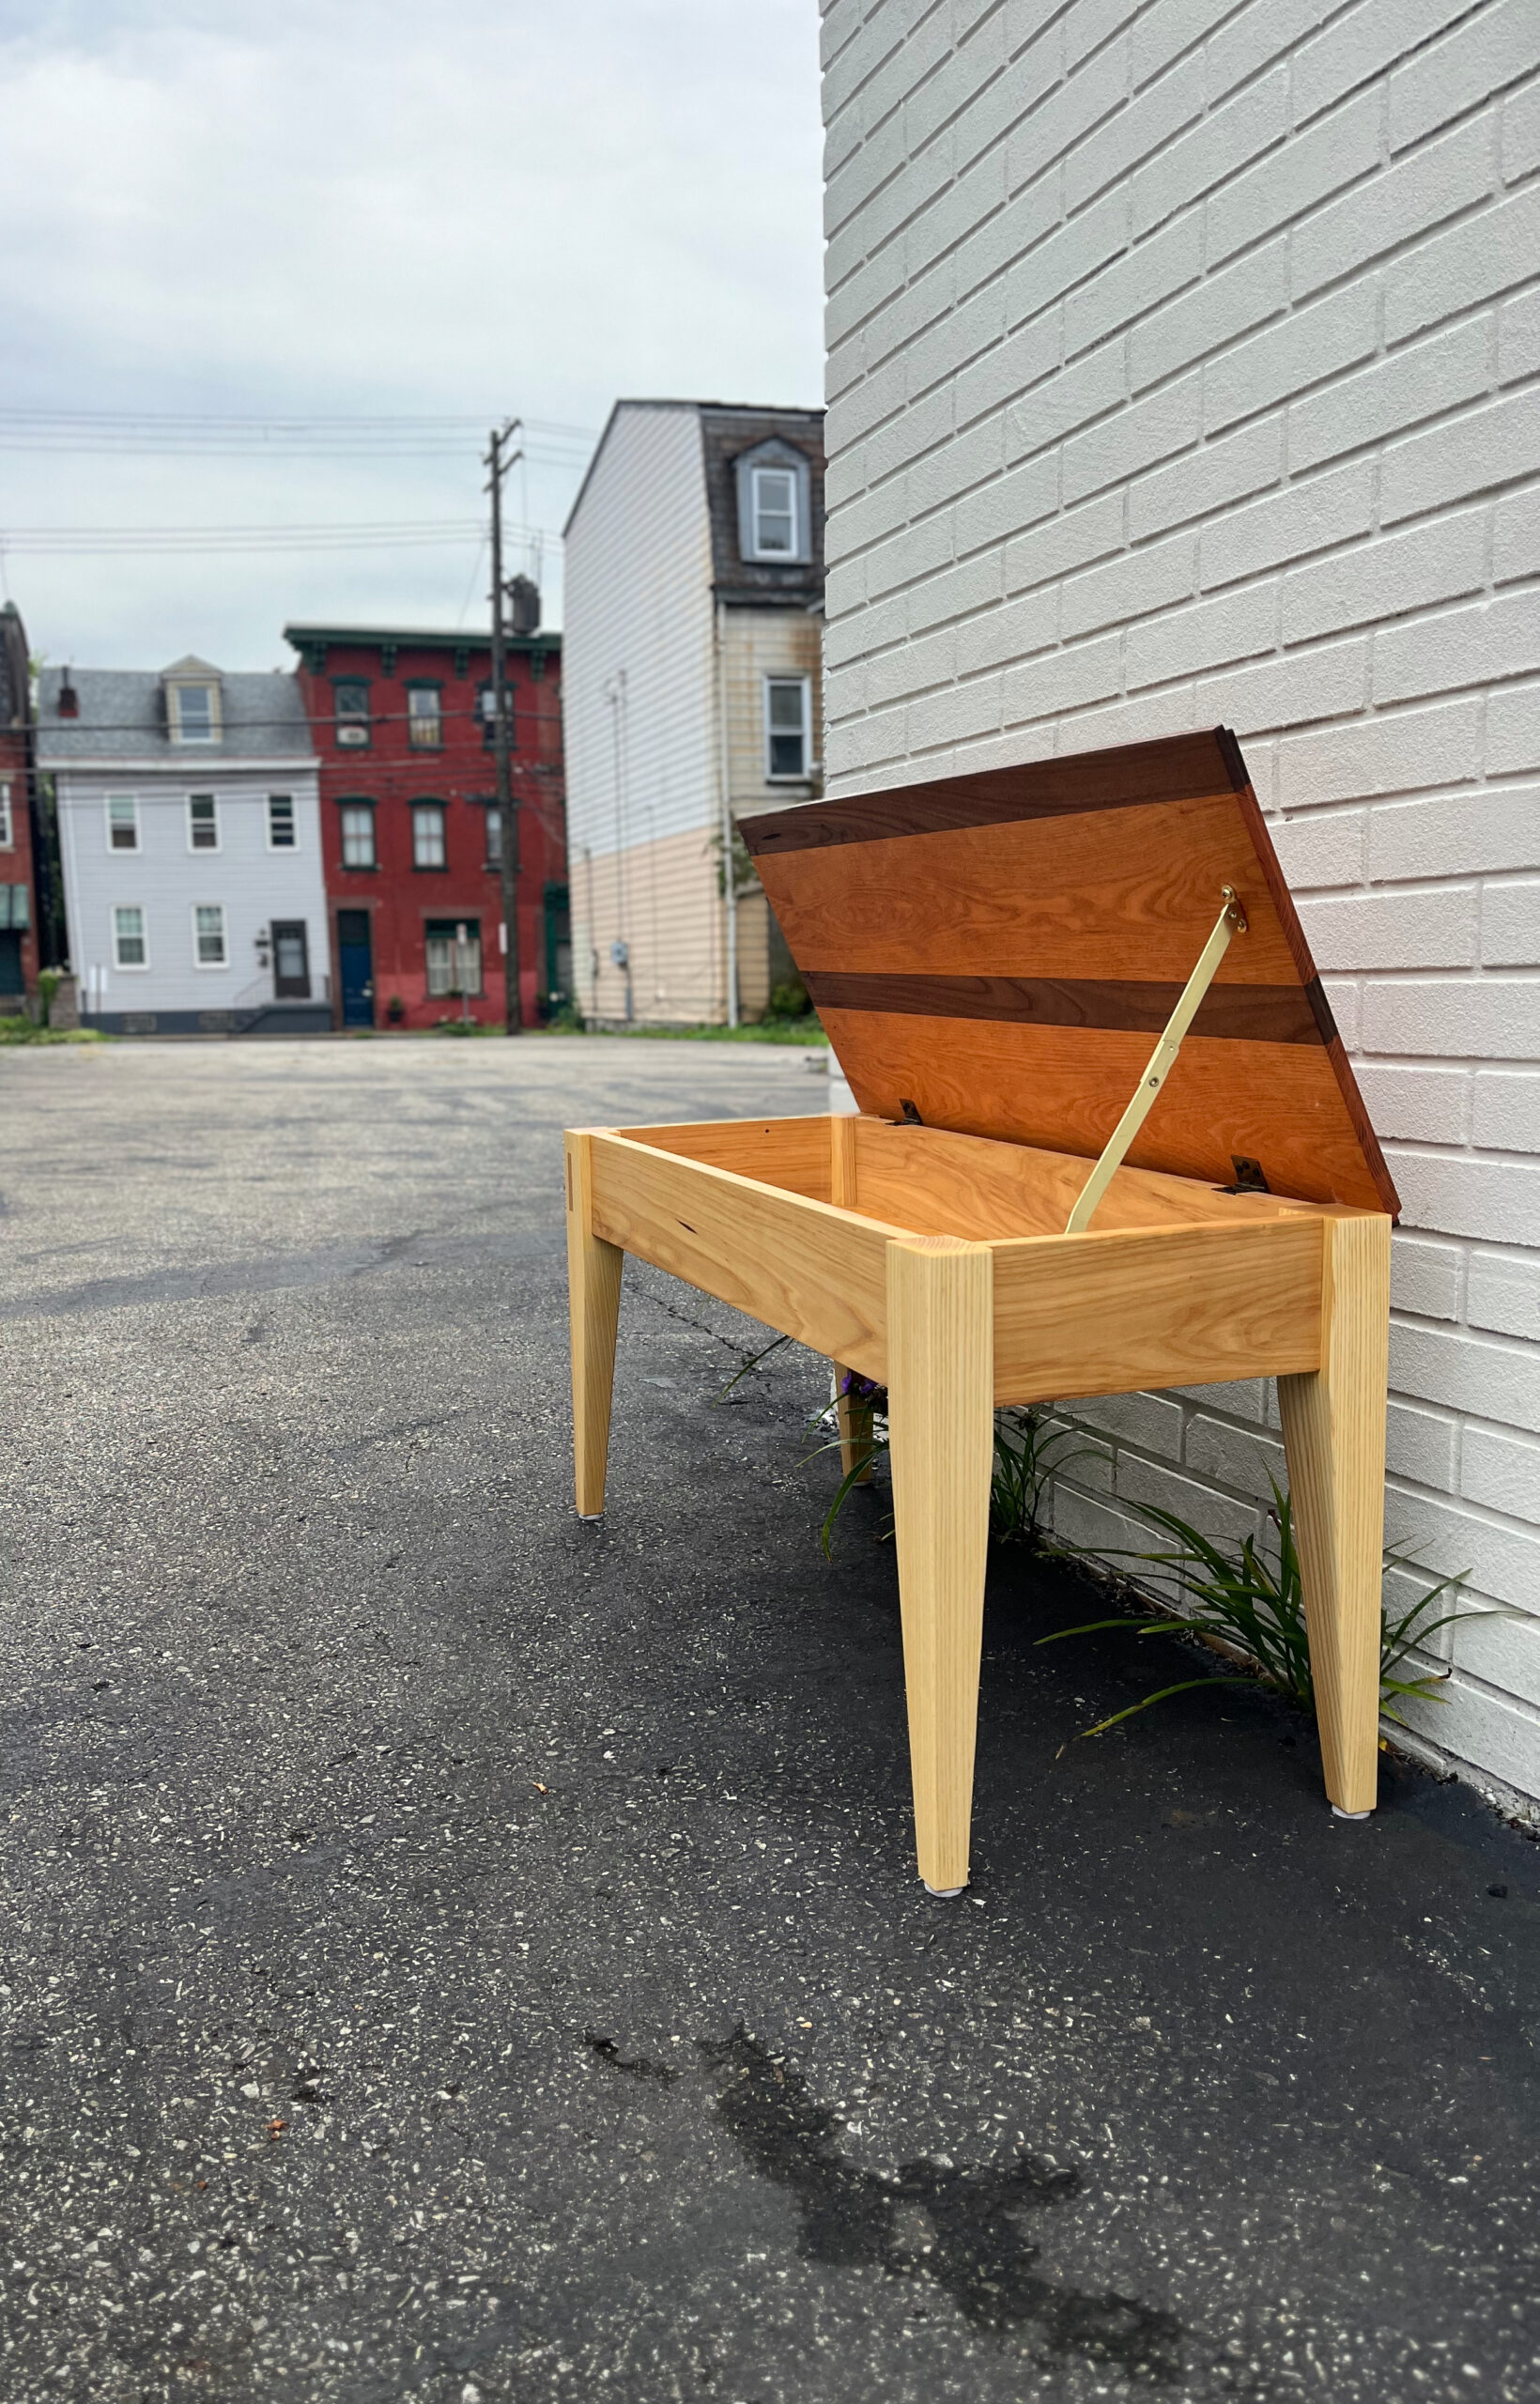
<point>998,953</point>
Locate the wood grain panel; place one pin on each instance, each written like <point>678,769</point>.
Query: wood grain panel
<point>593,1302</point>
<point>1121,893</point>
<point>799,1266</point>
<point>1334,1441</point>
<point>1251,1013</point>
<point>793,1153</point>
<point>1178,764</point>
<point>1168,1306</point>
<point>964,1185</point>
<point>1064,1088</point>
<point>1036,891</point>
<point>941,1424</point>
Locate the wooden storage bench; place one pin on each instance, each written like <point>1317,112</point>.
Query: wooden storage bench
<point>938,1259</point>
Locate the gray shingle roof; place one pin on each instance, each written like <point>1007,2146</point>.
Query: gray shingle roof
<point>122,717</point>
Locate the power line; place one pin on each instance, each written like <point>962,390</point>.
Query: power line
<point>327,535</point>
<point>148,433</point>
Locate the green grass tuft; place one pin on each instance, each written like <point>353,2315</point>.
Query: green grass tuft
<point>1242,1603</point>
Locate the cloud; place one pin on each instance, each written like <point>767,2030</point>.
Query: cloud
<point>368,209</point>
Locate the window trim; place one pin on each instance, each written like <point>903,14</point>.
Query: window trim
<point>210,967</point>
<point>433,685</point>
<point>433,932</point>
<point>202,850</point>
<point>491,859</point>
<point>362,720</point>
<point>786,775</point>
<point>133,800</point>
<point>779,456</point>
<point>174,712</point>
<point>430,867</point>
<point>358,801</point>
<point>129,967</point>
<point>8,822</point>
<point>293,800</point>
<point>793,549</point>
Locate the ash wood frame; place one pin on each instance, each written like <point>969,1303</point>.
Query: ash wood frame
<point>935,1264</point>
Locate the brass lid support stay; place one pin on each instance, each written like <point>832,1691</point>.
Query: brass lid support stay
<point>1230,921</point>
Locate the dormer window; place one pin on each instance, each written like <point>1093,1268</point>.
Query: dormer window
<point>774,505</point>
<point>192,702</point>
<point>775,513</point>
<point>193,712</point>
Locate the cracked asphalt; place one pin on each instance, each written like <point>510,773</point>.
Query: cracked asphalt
<point>450,1952</point>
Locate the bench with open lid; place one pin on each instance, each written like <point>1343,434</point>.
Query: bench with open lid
<point>1034,1204</point>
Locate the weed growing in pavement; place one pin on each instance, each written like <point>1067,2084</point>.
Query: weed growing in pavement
<point>1028,1452</point>
<point>1251,1607</point>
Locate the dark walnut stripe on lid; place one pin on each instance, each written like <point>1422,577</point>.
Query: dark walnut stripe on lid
<point>999,952</point>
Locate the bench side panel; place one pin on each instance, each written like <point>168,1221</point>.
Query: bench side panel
<point>1165,1307</point>
<point>799,1266</point>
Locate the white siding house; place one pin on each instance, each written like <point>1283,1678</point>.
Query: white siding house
<point>1184,368</point>
<point>683,637</point>
<point>190,837</point>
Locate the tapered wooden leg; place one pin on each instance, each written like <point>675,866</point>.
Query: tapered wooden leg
<point>854,1419</point>
<point>593,1303</point>
<point>1334,1438</point>
<point>941,1424</point>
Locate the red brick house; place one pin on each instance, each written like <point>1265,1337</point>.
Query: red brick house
<point>410,830</point>
<point>19,960</point>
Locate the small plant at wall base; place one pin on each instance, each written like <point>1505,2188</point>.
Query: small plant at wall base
<point>1029,1454</point>
<point>1242,1603</point>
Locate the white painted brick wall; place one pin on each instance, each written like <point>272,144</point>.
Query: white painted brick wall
<point>1185,366</point>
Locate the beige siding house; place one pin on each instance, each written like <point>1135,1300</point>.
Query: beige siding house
<point>692,643</point>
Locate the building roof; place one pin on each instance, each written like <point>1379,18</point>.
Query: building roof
<point>725,409</point>
<point>321,637</point>
<point>725,434</point>
<point>122,717</point>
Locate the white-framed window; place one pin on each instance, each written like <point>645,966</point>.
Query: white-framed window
<point>454,957</point>
<point>130,938</point>
<point>787,727</point>
<point>8,834</point>
<point>193,712</point>
<point>428,834</point>
<point>209,947</point>
<point>358,835</point>
<point>122,821</point>
<point>773,513</point>
<point>201,823</point>
<point>283,825</point>
<point>494,838</point>
<point>425,716</point>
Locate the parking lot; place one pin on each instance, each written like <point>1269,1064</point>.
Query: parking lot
<point>450,1951</point>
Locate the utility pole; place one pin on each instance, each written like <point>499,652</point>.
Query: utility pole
<point>497,462</point>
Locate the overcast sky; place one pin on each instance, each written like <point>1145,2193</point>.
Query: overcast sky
<point>484,208</point>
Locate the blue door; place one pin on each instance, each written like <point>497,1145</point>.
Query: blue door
<point>355,968</point>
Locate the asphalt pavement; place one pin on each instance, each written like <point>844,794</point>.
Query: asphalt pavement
<point>450,1952</point>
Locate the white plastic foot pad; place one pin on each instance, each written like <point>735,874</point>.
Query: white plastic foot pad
<point>1338,1813</point>
<point>945,1893</point>
<point>588,1517</point>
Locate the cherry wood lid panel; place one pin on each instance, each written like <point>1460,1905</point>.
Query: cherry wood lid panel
<point>1064,1089</point>
<point>1001,951</point>
<point>1113,893</point>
